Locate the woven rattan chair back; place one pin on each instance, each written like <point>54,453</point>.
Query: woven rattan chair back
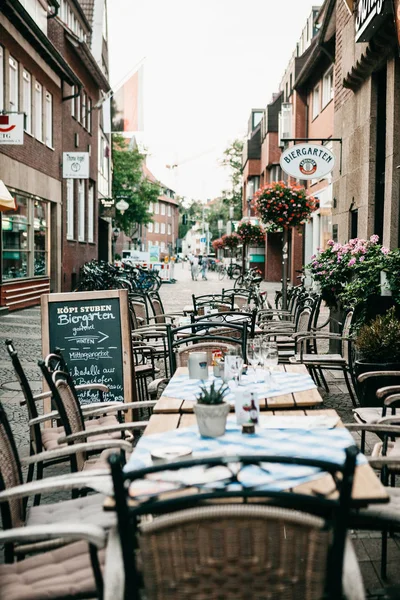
<point>69,409</point>
<point>234,552</point>
<point>304,320</point>
<point>35,434</point>
<point>156,306</point>
<point>346,333</point>
<point>182,356</point>
<point>138,308</point>
<point>12,512</point>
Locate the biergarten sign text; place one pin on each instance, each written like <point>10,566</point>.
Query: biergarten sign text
<point>307,161</point>
<point>370,15</point>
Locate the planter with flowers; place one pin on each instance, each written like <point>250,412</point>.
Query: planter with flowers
<point>231,241</point>
<point>217,244</point>
<point>250,234</point>
<point>378,349</point>
<point>285,206</point>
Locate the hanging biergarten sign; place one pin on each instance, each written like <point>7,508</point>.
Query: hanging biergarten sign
<point>307,161</point>
<point>370,15</point>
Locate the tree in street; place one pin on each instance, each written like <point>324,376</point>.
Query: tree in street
<point>130,184</point>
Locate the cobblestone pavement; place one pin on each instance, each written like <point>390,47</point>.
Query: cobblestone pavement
<point>24,328</point>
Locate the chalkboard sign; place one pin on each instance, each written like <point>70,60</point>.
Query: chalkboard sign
<point>92,330</point>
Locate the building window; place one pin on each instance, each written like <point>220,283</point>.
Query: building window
<point>169,229</point>
<point>73,101</point>
<point>70,209</point>
<point>162,208</point>
<point>353,224</point>
<point>162,246</point>
<point>157,208</point>
<point>150,209</point>
<point>157,227</point>
<point>162,227</point>
<point>27,100</point>
<point>49,120</point>
<point>84,112</point>
<point>327,87</point>
<point>78,108</point>
<point>169,210</point>
<point>335,235</point>
<point>90,233</point>
<point>315,102</point>
<point>1,78</point>
<point>89,116</point>
<point>13,84</point>
<point>40,238</point>
<point>81,210</point>
<point>25,239</point>
<point>38,111</point>
<point>150,227</point>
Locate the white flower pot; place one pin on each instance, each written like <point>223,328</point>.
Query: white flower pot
<point>211,419</point>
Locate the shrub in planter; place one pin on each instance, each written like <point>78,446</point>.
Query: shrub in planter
<point>378,347</point>
<point>211,411</point>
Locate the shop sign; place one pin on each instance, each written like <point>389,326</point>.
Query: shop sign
<point>307,161</point>
<point>12,129</point>
<point>154,252</point>
<point>76,165</point>
<point>370,14</point>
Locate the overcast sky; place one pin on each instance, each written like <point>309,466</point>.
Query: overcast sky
<point>207,64</point>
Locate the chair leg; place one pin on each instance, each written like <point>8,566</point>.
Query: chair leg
<point>346,377</point>
<point>324,382</point>
<point>39,476</point>
<point>363,442</point>
<point>315,376</point>
<point>384,555</point>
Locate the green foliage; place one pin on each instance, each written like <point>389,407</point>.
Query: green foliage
<point>380,340</point>
<point>393,273</point>
<point>213,395</point>
<point>130,184</point>
<point>232,159</point>
<point>190,212</point>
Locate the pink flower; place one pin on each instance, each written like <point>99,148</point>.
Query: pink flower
<point>384,250</point>
<point>362,258</point>
<point>330,243</point>
<point>313,256</point>
<point>374,239</point>
<point>352,262</point>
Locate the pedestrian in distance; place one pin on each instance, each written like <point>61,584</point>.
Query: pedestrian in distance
<point>204,266</point>
<point>194,266</point>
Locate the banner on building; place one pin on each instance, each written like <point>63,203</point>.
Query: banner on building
<point>154,252</point>
<point>12,129</point>
<point>127,105</point>
<point>307,161</point>
<point>75,165</point>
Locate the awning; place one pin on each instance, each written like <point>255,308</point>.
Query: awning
<point>7,202</point>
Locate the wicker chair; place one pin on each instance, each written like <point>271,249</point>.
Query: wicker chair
<point>70,412</point>
<point>43,440</point>
<point>73,571</point>
<point>204,331</point>
<point>182,356</point>
<point>277,545</point>
<point>13,509</point>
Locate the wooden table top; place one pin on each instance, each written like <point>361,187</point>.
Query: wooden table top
<point>367,488</point>
<point>296,400</point>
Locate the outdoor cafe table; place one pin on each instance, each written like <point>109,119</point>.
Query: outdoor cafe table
<point>304,399</point>
<point>367,489</point>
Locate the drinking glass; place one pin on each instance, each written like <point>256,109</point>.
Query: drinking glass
<point>235,365</point>
<point>269,351</point>
<point>252,354</point>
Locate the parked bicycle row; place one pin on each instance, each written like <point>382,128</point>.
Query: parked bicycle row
<point>100,275</point>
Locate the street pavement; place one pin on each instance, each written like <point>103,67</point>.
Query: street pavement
<point>24,328</point>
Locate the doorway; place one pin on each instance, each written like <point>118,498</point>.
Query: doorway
<point>380,81</point>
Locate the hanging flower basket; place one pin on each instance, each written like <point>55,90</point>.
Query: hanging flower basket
<point>251,234</point>
<point>231,241</point>
<point>283,204</point>
<point>217,244</point>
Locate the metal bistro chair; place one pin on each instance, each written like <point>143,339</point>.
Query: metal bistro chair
<point>216,538</point>
<point>231,316</point>
<point>204,331</point>
<point>223,302</point>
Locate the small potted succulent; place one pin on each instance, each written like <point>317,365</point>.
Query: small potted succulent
<point>211,410</point>
<point>378,349</point>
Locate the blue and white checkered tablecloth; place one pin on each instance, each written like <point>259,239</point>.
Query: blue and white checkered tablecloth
<point>280,384</point>
<point>324,444</point>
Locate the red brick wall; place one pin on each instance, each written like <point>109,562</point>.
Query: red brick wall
<point>33,153</point>
<point>76,253</point>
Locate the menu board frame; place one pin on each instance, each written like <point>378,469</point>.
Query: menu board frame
<point>129,389</point>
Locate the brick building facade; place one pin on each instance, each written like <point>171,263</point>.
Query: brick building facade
<point>44,59</point>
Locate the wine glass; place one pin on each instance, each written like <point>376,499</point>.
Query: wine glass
<point>252,354</point>
<point>235,365</point>
<point>270,356</point>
